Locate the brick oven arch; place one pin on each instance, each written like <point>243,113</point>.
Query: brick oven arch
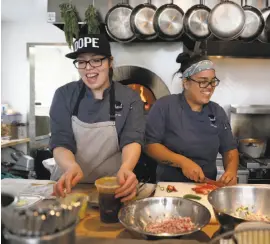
<point>138,75</point>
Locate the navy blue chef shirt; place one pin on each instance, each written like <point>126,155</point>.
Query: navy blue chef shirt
<point>198,136</point>
<point>130,121</point>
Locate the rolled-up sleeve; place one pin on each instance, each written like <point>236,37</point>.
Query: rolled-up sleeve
<point>60,121</point>
<point>134,128</point>
<point>226,139</point>
<point>155,124</point>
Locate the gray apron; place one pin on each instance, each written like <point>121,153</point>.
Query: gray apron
<point>98,152</point>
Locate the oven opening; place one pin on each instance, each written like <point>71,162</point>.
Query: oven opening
<point>146,95</point>
<point>149,86</point>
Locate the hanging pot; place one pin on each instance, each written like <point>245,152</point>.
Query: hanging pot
<point>168,21</point>
<point>142,21</point>
<point>118,23</point>
<point>226,20</point>
<point>196,22</point>
<point>254,23</point>
<point>264,37</point>
<point>255,148</point>
<point>267,26</point>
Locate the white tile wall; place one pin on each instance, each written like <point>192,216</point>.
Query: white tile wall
<point>243,81</point>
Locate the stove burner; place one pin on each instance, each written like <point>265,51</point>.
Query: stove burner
<point>258,173</point>
<point>249,163</point>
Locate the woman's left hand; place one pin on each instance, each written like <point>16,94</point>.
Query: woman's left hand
<point>228,178</point>
<point>128,181</point>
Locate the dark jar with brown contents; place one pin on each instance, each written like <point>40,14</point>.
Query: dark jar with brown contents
<point>109,208</point>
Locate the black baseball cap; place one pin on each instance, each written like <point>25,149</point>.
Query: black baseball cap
<point>92,43</point>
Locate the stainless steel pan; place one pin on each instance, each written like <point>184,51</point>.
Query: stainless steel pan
<point>264,37</point>
<point>142,21</point>
<point>168,21</point>
<point>196,22</point>
<point>254,23</point>
<point>226,20</point>
<point>118,23</point>
<point>267,26</point>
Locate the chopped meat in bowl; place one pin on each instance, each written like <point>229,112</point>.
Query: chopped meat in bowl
<point>171,226</point>
<point>164,216</point>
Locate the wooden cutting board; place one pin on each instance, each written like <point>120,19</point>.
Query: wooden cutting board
<point>183,189</point>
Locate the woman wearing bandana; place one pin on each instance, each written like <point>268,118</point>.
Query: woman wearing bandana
<point>185,132</point>
<point>97,125</point>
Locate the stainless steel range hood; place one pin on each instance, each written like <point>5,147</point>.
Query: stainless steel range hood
<point>250,109</point>
<point>212,48</point>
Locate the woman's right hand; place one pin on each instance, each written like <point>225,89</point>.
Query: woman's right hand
<point>72,175</point>
<point>192,171</point>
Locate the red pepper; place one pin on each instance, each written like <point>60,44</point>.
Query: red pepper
<point>171,188</point>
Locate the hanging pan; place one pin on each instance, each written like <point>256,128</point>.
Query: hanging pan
<point>267,27</point>
<point>196,22</point>
<point>226,20</point>
<point>254,23</point>
<point>141,21</point>
<point>264,37</point>
<point>118,23</point>
<point>168,21</point>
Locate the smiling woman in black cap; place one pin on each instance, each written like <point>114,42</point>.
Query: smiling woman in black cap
<point>185,132</point>
<point>97,125</point>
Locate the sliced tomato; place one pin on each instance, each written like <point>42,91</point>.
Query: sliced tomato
<point>206,186</point>
<point>204,189</point>
<point>201,191</point>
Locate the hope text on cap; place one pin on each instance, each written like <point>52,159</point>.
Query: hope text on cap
<point>94,43</point>
<point>86,42</point>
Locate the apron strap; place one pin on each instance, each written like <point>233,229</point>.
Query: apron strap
<point>81,95</point>
<point>112,102</point>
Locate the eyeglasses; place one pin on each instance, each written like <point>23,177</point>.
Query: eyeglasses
<point>203,84</point>
<point>81,64</point>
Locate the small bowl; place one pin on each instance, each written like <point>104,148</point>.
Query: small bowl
<point>84,198</point>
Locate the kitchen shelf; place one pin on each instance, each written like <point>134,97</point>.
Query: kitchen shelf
<point>251,109</point>
<point>9,143</point>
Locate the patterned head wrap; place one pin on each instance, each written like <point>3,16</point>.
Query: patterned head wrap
<point>198,67</point>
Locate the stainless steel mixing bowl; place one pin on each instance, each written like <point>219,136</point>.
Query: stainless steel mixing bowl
<point>136,215</point>
<point>226,200</point>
